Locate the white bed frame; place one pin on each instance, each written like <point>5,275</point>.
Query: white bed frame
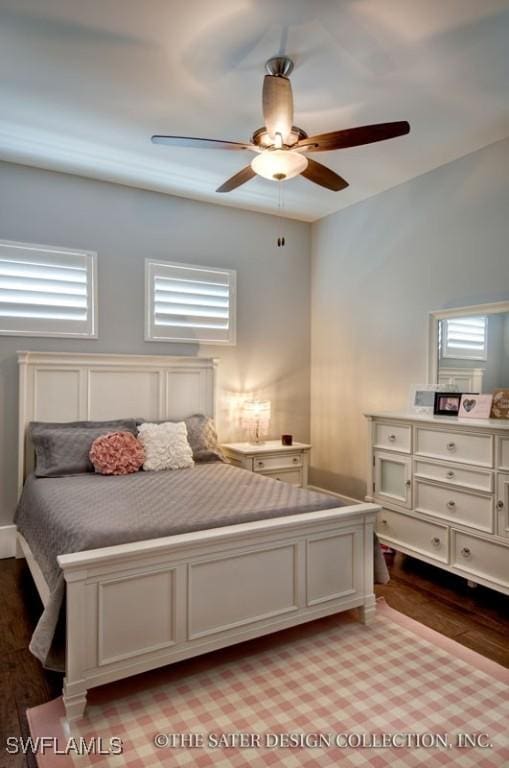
<point>135,607</point>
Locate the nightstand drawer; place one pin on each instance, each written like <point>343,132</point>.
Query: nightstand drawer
<point>282,461</point>
<point>466,448</point>
<point>394,437</point>
<point>235,461</point>
<point>472,509</point>
<point>293,476</point>
<point>427,538</point>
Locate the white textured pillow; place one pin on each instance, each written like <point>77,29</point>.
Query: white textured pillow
<point>166,446</point>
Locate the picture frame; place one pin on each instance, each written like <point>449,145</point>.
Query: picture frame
<point>422,397</point>
<point>447,403</point>
<point>475,406</point>
<point>500,405</point>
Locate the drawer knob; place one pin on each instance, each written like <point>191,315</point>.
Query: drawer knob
<point>435,541</point>
<point>392,438</point>
<point>451,446</point>
<point>451,504</point>
<point>408,483</point>
<point>450,474</point>
<point>384,521</point>
<point>500,504</point>
<point>295,460</point>
<point>261,464</point>
<point>466,552</point>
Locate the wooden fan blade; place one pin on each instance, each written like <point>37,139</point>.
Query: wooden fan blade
<point>277,102</point>
<point>189,141</point>
<point>324,176</point>
<point>241,177</point>
<point>354,137</point>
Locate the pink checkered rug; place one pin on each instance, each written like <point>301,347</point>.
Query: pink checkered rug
<point>325,694</point>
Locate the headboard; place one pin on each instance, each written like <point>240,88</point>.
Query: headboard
<point>63,386</point>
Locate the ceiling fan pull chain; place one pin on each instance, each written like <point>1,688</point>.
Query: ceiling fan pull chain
<point>280,205</point>
<point>282,211</point>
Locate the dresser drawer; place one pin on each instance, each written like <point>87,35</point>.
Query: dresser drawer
<point>427,538</point>
<point>293,476</point>
<point>464,447</point>
<point>281,461</point>
<point>483,558</point>
<point>394,437</point>
<point>503,453</point>
<point>477,479</point>
<point>472,509</point>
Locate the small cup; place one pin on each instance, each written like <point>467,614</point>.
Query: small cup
<point>287,439</point>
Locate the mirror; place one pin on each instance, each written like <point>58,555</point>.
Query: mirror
<point>469,348</point>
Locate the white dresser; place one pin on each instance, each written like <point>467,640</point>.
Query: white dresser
<point>444,486</point>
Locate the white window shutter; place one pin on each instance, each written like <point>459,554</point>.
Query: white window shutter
<point>189,303</point>
<point>465,338</point>
<point>46,291</point>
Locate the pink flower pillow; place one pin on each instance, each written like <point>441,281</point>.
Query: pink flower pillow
<point>117,453</point>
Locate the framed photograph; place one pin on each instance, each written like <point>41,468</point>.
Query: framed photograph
<point>475,406</point>
<point>422,397</point>
<point>447,403</point>
<point>500,405</point>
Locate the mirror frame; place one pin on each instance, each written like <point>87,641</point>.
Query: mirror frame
<point>443,314</point>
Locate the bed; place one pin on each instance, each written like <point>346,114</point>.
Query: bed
<point>227,569</point>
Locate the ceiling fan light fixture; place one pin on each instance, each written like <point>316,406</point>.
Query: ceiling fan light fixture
<point>279,164</point>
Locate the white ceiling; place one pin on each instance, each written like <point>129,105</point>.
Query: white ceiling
<point>84,84</point>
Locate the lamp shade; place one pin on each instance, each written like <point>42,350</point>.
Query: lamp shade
<point>279,164</point>
<point>256,419</point>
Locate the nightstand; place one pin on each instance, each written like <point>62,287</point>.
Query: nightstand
<point>288,463</point>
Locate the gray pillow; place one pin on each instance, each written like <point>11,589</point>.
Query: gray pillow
<point>202,437</point>
<point>62,449</point>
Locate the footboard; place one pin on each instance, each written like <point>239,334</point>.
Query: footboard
<point>135,607</point>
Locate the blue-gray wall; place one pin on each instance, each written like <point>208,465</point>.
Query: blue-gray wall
<point>125,225</point>
<point>378,268</point>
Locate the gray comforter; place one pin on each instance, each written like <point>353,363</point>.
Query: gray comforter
<point>76,513</point>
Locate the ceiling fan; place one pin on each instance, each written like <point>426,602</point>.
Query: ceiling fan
<point>281,147</point>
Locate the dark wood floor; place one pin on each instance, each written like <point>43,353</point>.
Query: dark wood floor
<point>477,618</point>
<point>23,682</point>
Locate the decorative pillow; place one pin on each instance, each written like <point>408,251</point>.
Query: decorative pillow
<point>165,445</point>
<point>202,437</point>
<point>117,453</point>
<point>63,449</point>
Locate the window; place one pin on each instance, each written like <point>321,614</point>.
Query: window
<point>187,303</point>
<point>47,291</point>
<point>465,338</point>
